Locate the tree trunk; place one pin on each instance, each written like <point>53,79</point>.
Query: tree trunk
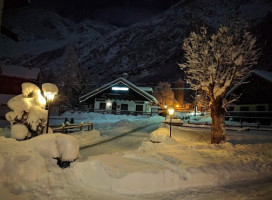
<point>218,122</point>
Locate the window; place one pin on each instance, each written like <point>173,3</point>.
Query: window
<point>124,106</point>
<point>139,107</point>
<point>102,106</point>
<point>260,108</point>
<point>231,108</point>
<point>244,108</point>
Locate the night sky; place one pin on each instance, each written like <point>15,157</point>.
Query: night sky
<point>116,12</point>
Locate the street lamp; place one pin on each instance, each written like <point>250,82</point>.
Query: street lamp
<point>49,92</point>
<point>195,102</point>
<point>171,111</point>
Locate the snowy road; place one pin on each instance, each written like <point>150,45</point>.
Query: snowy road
<point>130,140</point>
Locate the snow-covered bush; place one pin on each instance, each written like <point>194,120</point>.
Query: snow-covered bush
<point>19,131</point>
<point>28,116</point>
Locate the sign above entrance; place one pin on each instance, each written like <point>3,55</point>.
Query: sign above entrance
<point>120,88</point>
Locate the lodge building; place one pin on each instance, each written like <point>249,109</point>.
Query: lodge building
<point>120,97</point>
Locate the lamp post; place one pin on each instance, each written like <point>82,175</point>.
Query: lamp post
<point>49,96</point>
<point>49,92</point>
<point>195,101</point>
<point>171,111</point>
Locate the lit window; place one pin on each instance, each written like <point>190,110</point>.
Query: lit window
<point>120,88</point>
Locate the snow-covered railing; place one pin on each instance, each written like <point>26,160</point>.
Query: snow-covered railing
<point>65,127</point>
<point>259,117</point>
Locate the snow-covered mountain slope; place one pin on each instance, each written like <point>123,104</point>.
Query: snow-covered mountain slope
<point>42,31</point>
<point>147,51</point>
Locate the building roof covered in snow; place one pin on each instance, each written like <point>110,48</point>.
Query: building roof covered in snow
<point>119,81</point>
<point>265,75</point>
<point>20,72</point>
<point>147,89</point>
<point>4,98</point>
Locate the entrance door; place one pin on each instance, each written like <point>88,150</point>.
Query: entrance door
<point>114,106</point>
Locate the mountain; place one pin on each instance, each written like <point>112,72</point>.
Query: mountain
<point>148,51</point>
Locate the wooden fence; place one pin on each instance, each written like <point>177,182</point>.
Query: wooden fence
<point>65,128</point>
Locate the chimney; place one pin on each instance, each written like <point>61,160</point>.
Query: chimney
<point>125,75</point>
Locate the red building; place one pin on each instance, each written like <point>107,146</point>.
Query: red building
<point>11,79</point>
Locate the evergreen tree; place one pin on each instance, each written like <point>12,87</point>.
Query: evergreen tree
<point>70,76</point>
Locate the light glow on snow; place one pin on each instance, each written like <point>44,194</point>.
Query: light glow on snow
<point>41,98</point>
<point>49,96</point>
<point>120,88</point>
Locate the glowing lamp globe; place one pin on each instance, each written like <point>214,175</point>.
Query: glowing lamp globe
<point>49,96</point>
<point>49,91</point>
<point>171,111</point>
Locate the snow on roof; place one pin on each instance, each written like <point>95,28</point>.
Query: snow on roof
<point>20,72</point>
<point>119,80</point>
<point>4,98</point>
<point>263,74</point>
<point>267,75</point>
<point>147,89</point>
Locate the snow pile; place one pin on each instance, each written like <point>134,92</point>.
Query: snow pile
<point>123,123</point>
<point>27,162</point>
<point>174,120</point>
<point>28,109</point>
<point>64,147</point>
<point>161,135</point>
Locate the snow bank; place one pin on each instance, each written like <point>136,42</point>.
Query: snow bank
<point>98,118</point>
<point>57,145</point>
<point>23,163</point>
<point>183,161</point>
<point>161,135</point>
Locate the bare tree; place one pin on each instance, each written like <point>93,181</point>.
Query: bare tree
<point>202,100</point>
<point>164,94</point>
<point>217,62</point>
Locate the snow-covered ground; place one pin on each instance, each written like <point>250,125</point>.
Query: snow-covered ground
<point>160,168</point>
